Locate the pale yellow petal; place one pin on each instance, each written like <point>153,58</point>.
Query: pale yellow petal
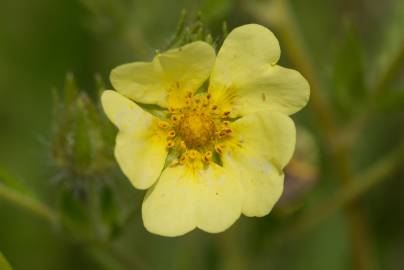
<point>140,81</point>
<point>263,144</point>
<point>188,66</point>
<point>141,157</point>
<point>125,114</point>
<point>261,180</point>
<point>169,207</point>
<point>140,147</point>
<point>183,199</point>
<point>248,49</point>
<point>173,72</point>
<point>269,134</point>
<point>220,199</point>
<point>245,78</point>
<point>277,89</point>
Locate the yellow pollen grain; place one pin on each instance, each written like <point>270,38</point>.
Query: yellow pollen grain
<point>219,148</point>
<point>163,124</point>
<point>207,156</point>
<point>183,158</point>
<point>171,134</point>
<point>170,144</point>
<point>193,154</point>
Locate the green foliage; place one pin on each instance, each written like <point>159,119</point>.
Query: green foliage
<point>4,264</point>
<point>349,81</point>
<point>11,182</point>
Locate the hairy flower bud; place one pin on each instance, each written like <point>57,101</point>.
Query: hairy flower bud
<point>81,138</point>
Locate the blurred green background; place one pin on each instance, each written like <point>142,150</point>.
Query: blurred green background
<point>343,204</point>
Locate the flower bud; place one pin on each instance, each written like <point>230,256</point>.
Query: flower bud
<point>82,139</point>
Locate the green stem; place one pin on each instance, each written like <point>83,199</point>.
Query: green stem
<point>32,205</point>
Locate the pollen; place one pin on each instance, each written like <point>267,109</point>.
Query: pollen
<point>197,129</point>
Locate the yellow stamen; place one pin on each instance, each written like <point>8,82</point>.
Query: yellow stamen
<point>219,148</point>
<point>171,134</point>
<point>170,144</point>
<point>163,124</point>
<point>207,157</point>
<point>193,154</point>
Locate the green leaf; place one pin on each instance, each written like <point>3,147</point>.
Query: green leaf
<point>349,72</point>
<point>215,10</point>
<point>392,101</point>
<point>4,264</point>
<point>74,211</point>
<point>109,210</point>
<point>11,182</point>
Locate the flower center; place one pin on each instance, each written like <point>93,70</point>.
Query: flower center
<point>196,130</point>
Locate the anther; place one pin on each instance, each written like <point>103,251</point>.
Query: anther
<point>183,158</point>
<point>219,148</point>
<point>193,154</point>
<point>163,124</point>
<point>222,133</point>
<point>226,114</point>
<point>207,157</point>
<point>174,118</point>
<point>214,107</point>
<point>171,134</point>
<point>226,123</point>
<point>170,144</point>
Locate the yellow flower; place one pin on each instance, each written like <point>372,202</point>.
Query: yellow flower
<point>215,154</point>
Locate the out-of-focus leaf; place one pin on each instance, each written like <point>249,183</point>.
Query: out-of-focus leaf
<point>4,264</point>
<point>392,101</point>
<point>349,73</point>
<point>387,43</point>
<point>71,90</point>
<point>10,181</point>
<point>215,10</point>
<point>109,210</point>
<point>74,212</point>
